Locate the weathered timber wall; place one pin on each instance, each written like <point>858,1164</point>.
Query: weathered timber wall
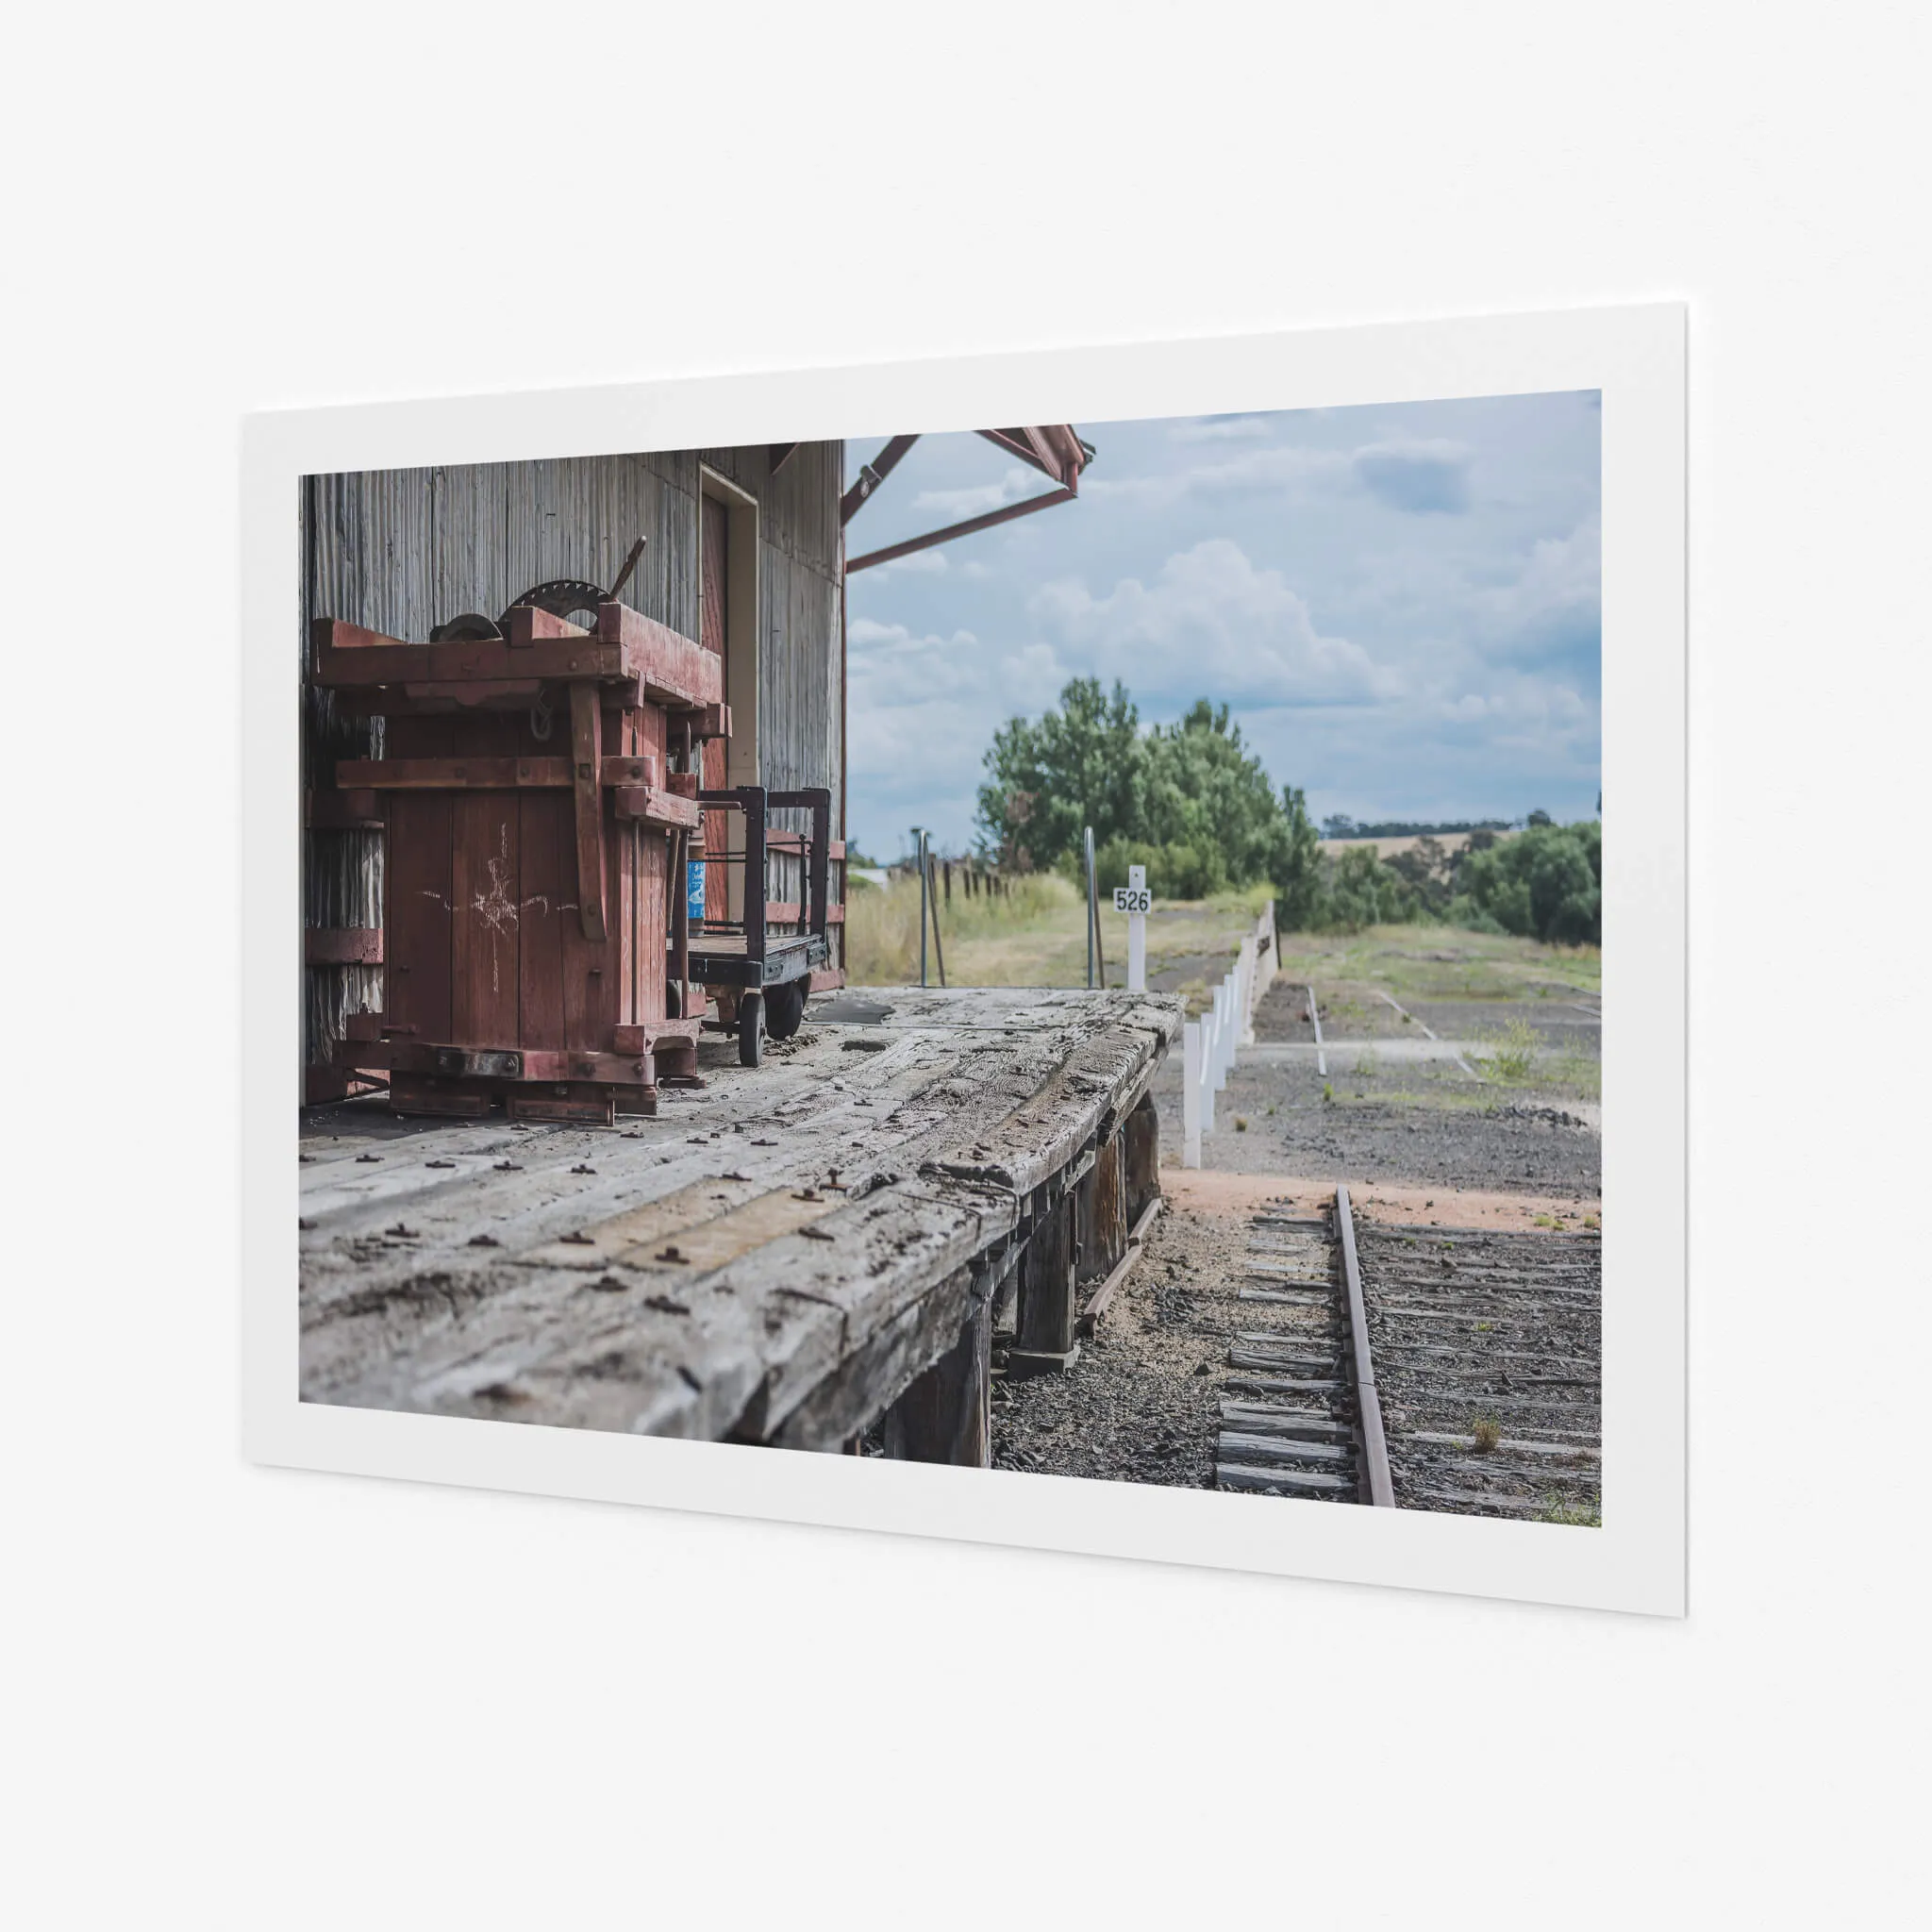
<point>403,550</point>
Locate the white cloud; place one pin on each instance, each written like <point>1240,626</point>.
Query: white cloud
<point>1417,474</point>
<point>1556,599</point>
<point>1221,429</point>
<point>925,706</point>
<point>1211,623</point>
<point>1520,704</point>
<point>976,498</point>
<point>916,563</point>
<point>1279,466</point>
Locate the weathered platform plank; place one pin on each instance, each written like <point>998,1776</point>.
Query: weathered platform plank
<point>777,1257</point>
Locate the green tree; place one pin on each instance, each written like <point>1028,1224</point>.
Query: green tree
<point>1189,801</point>
<point>1295,866</point>
<point>1358,889</point>
<point>1427,869</point>
<point>1084,764</point>
<point>1206,789</point>
<point>1546,883</point>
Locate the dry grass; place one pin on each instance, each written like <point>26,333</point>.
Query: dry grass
<point>1388,849</point>
<point>1487,1433</point>
<point>982,935</point>
<point>1444,962</point>
<point>1035,934</point>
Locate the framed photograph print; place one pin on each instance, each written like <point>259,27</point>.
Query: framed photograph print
<point>1081,949</point>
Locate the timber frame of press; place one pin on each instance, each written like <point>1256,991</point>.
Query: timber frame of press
<point>935,1189</point>
<point>624,687</point>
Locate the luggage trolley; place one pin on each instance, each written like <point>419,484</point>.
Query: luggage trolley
<point>758,973</point>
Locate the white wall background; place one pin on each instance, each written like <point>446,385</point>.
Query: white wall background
<point>244,1698</point>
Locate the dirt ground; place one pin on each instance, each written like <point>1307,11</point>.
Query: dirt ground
<point>1233,1196</point>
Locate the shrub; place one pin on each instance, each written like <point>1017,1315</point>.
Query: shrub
<point>1174,871</point>
<point>1545,884</point>
<point>1356,890</point>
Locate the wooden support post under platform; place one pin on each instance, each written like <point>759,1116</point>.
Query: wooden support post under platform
<point>1045,1339</point>
<point>1100,1214</point>
<point>945,1415</point>
<point>1142,1134</point>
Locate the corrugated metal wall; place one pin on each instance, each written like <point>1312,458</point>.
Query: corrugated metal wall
<point>403,550</point>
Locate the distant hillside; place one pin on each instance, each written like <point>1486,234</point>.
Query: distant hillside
<point>1387,845</point>
<point>1340,826</point>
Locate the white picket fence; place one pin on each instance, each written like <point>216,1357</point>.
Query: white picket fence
<point>1208,1043</point>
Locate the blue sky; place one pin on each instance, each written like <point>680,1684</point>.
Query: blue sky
<point>1401,605</point>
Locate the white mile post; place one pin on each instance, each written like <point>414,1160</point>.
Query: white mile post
<point>1135,900</point>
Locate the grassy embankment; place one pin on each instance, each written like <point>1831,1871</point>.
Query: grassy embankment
<point>1422,963</point>
<point>1035,934</point>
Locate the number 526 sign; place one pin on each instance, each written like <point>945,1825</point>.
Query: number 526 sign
<point>1134,896</point>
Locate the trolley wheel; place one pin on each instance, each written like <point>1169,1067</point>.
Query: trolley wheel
<point>751,1028</point>
<point>784,1008</point>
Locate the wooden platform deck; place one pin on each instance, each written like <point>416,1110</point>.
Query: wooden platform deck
<point>790,1255</point>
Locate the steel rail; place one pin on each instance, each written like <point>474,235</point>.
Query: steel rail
<point>1367,1405</point>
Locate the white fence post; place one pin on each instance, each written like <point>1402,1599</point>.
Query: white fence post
<point>1191,1094</point>
<point>1210,1043</point>
<point>1137,934</point>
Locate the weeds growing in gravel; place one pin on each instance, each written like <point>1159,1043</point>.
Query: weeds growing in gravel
<point>1556,1509</point>
<point>1488,1432</point>
<point>1512,1052</point>
<point>1581,1074</point>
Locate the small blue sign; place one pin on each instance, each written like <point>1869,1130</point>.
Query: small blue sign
<point>694,888</point>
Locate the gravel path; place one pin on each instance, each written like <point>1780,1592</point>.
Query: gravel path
<point>1423,1122</point>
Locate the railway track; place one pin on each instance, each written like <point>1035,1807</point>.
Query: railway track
<point>1299,1415</point>
<point>1416,1368</point>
